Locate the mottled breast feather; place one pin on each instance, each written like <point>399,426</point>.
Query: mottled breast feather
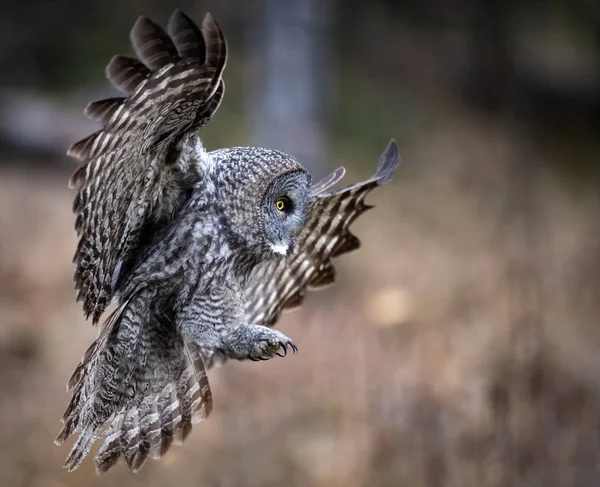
<point>133,171</point>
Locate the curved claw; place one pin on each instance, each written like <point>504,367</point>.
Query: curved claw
<point>284,346</point>
<point>266,351</point>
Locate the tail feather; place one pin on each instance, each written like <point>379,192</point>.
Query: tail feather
<point>198,386</point>
<point>154,432</point>
<point>141,379</point>
<point>133,450</point>
<point>175,419</point>
<point>108,455</point>
<point>81,449</point>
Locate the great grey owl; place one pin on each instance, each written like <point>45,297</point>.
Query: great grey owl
<point>200,251</point>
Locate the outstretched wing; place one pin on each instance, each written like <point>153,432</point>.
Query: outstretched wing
<point>281,284</point>
<point>136,169</point>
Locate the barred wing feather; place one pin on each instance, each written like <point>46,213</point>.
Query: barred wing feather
<point>132,172</point>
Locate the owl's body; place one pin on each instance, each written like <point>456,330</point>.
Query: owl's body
<point>200,251</point>
<point>210,238</point>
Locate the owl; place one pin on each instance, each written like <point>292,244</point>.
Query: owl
<point>199,251</point>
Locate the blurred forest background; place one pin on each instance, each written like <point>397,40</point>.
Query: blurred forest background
<point>461,344</point>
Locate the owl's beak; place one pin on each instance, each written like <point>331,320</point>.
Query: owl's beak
<point>280,248</point>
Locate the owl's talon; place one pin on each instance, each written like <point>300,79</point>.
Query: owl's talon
<point>268,344</point>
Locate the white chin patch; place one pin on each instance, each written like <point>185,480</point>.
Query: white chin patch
<point>279,248</point>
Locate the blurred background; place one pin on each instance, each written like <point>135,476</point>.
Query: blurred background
<point>461,343</point>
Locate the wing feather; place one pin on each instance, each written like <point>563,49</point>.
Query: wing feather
<point>188,39</point>
<point>132,172</point>
<point>327,182</point>
<point>152,45</point>
<point>103,110</point>
<point>126,74</point>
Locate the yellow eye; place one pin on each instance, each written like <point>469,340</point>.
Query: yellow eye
<point>281,204</point>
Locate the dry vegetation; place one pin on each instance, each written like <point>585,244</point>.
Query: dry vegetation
<point>459,347</point>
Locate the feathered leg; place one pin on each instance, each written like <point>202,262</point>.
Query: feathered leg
<point>216,321</point>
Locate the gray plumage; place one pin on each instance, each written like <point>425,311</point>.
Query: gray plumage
<point>200,251</point>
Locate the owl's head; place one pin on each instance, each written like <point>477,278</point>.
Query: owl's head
<point>283,210</point>
<point>264,196</point>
